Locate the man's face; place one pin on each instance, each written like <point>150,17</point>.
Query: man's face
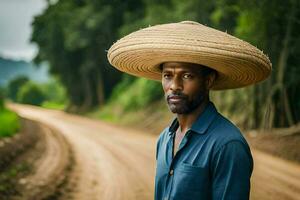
<point>184,86</point>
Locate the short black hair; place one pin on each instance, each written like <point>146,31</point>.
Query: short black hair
<point>207,71</point>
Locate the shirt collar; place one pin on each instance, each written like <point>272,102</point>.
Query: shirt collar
<point>201,124</point>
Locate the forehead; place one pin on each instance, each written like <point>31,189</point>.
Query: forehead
<point>181,66</point>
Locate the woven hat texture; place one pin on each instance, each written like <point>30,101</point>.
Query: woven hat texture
<point>237,62</point>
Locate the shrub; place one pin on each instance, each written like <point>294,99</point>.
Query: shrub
<point>9,123</point>
<point>15,85</point>
<point>1,98</point>
<point>136,95</point>
<point>55,92</point>
<point>31,93</point>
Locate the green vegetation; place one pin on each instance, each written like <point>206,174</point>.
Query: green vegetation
<point>51,94</point>
<point>31,93</point>
<point>53,105</point>
<point>56,97</point>
<point>1,98</point>
<point>152,118</point>
<point>14,86</point>
<point>130,96</point>
<point>136,95</point>
<point>9,123</point>
<point>74,45</point>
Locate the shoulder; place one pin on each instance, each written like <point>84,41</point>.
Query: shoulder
<point>230,144</point>
<point>224,133</point>
<point>161,141</point>
<point>162,137</point>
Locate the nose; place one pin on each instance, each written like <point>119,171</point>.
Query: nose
<point>176,84</point>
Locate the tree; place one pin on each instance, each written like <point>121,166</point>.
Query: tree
<point>72,36</point>
<point>274,27</point>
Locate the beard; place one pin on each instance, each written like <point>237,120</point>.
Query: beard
<point>185,105</point>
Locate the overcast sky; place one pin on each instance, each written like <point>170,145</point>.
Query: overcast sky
<point>15,27</point>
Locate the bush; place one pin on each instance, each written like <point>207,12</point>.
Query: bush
<point>32,94</point>
<point>1,103</point>
<point>1,98</point>
<point>14,87</point>
<point>122,86</point>
<point>55,92</point>
<point>9,123</point>
<point>136,95</point>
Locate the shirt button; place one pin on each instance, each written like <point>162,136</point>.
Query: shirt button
<point>171,172</point>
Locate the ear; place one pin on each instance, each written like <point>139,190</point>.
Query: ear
<point>210,79</point>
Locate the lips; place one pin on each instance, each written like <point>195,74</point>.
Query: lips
<point>175,98</point>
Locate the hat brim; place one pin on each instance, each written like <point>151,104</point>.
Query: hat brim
<point>238,63</point>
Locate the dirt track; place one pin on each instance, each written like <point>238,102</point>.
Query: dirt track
<point>114,163</point>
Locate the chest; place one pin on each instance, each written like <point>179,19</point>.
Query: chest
<point>191,148</point>
<point>176,142</point>
<point>185,170</point>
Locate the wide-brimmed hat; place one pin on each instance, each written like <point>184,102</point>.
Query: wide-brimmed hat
<point>237,62</point>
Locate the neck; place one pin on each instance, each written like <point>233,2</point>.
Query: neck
<point>186,120</point>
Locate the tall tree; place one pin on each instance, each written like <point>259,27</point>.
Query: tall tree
<point>274,27</point>
<point>73,36</point>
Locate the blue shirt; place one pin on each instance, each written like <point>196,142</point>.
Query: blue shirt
<point>213,162</point>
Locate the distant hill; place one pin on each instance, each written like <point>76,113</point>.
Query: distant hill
<point>10,69</point>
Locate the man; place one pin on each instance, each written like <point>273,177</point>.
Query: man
<point>201,155</point>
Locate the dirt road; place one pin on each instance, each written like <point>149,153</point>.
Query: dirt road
<point>114,163</point>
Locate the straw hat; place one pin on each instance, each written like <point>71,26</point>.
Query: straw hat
<point>237,62</point>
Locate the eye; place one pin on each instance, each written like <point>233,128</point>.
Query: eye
<point>167,76</point>
<point>187,76</point>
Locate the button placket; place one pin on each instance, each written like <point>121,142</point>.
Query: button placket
<point>184,140</point>
<point>175,158</point>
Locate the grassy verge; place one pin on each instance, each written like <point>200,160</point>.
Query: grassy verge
<point>150,119</point>
<point>9,123</point>
<point>53,105</point>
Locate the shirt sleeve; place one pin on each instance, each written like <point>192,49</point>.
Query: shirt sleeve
<point>231,171</point>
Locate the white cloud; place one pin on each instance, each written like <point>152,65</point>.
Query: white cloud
<point>15,27</point>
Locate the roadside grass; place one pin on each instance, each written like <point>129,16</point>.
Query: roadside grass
<point>152,118</point>
<point>53,105</point>
<point>108,113</point>
<point>9,123</point>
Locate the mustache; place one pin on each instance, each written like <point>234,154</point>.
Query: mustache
<point>177,95</point>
